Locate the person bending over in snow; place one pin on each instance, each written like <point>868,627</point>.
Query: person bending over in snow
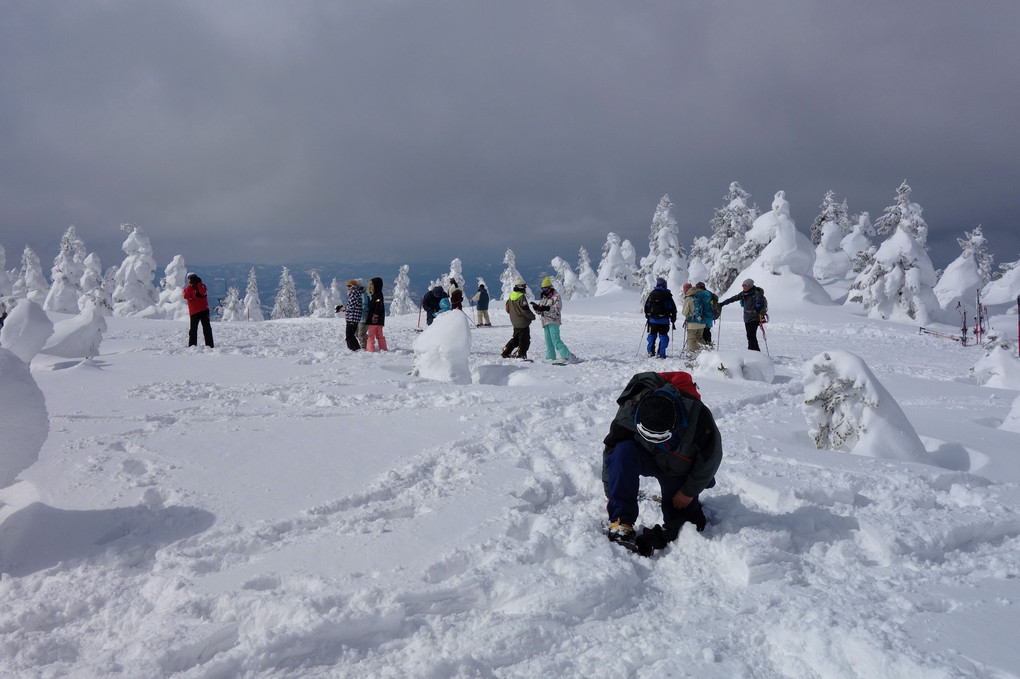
<point>520,318</point>
<point>198,307</point>
<point>663,430</point>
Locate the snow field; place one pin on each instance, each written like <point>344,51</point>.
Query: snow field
<point>280,507</point>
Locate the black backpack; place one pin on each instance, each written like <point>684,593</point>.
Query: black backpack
<point>655,306</point>
<point>715,306</point>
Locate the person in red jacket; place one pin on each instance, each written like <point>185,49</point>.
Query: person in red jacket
<point>198,307</point>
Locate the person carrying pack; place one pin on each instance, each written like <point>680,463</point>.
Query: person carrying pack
<point>756,308</point>
<point>697,312</point>
<point>660,315</point>
<point>662,430</point>
<point>714,308</point>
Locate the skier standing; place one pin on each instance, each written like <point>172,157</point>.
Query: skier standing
<point>352,314</point>
<point>376,312</point>
<point>752,299</point>
<point>198,308</point>
<point>660,314</point>
<point>520,318</point>
<point>663,430</point>
<point>550,310</point>
<point>481,300</point>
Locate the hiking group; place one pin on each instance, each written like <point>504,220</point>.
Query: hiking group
<point>365,315</point>
<point>700,309</point>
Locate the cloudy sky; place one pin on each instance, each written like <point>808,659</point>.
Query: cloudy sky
<point>393,130</point>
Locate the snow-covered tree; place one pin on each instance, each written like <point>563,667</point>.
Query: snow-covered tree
<point>252,302</point>
<point>666,258</point>
<point>848,409</point>
<point>857,244</point>
<point>456,273</point>
<point>66,274</point>
<point>729,228</point>
<point>322,304</point>
<point>232,308</point>
<point>286,305</point>
<point>904,215</point>
<point>401,303</point>
<point>1005,286</point>
<point>585,272</point>
<point>31,282</point>
<point>613,273</point>
<point>629,254</point>
<point>567,283</point>
<point>94,290</point>
<point>831,212</point>
<point>509,275</point>
<point>899,283</point>
<point>966,274</point>
<point>697,267</point>
<point>6,284</point>
<point>171,290</point>
<point>133,292</point>
<point>338,292</point>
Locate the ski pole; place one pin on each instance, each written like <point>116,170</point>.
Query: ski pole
<point>762,320</point>
<point>647,329</point>
<point>419,315</point>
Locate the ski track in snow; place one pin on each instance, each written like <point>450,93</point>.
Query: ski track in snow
<point>811,566</point>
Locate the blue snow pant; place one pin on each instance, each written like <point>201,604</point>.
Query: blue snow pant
<point>625,465</point>
<point>660,330</point>
<point>553,343</point>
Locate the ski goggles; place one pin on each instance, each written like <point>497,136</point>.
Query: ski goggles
<point>653,436</point>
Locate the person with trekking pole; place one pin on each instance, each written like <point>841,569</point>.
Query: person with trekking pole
<point>752,299</point>
<point>660,315</point>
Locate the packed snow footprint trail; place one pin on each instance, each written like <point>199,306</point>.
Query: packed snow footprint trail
<point>457,531</point>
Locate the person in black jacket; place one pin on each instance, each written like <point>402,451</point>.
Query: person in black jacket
<point>430,303</point>
<point>376,317</point>
<point>660,316</point>
<point>752,299</point>
<point>663,430</point>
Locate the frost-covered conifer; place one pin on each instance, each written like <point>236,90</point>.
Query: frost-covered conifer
<point>401,303</point>
<point>899,283</point>
<point>613,273</point>
<point>829,229</point>
<point>456,273</point>
<point>857,244</point>
<point>232,308</point>
<point>831,211</point>
<point>286,305</point>
<point>66,274</point>
<point>585,272</point>
<point>567,282</point>
<point>321,305</point>
<point>848,409</point>
<point>966,274</point>
<point>509,275</point>
<point>729,228</point>
<point>171,290</point>
<point>629,254</point>
<point>94,290</point>
<point>133,292</point>
<point>252,301</point>
<point>666,258</point>
<point>31,282</point>
<point>6,285</point>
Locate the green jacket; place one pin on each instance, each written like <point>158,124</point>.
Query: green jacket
<point>693,453</point>
<point>521,314</point>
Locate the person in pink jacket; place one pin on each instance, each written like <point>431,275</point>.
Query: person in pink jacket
<point>198,307</point>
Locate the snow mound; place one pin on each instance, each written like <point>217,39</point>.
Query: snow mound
<point>848,409</point>
<point>442,351</point>
<point>748,365</point>
<point>23,418</point>
<point>26,330</point>
<point>998,368</point>
<point>79,336</point>
<point>1012,421</point>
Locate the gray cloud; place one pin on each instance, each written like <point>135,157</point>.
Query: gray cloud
<point>392,130</point>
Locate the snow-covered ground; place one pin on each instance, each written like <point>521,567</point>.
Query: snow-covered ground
<point>281,507</point>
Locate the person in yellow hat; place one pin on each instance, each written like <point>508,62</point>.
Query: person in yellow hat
<point>550,310</point>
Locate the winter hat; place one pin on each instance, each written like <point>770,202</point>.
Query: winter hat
<point>352,283</point>
<point>748,282</point>
<point>687,286</point>
<point>660,282</point>
<point>444,304</point>
<point>700,285</point>
<point>519,281</point>
<point>657,416</point>
<point>546,282</point>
